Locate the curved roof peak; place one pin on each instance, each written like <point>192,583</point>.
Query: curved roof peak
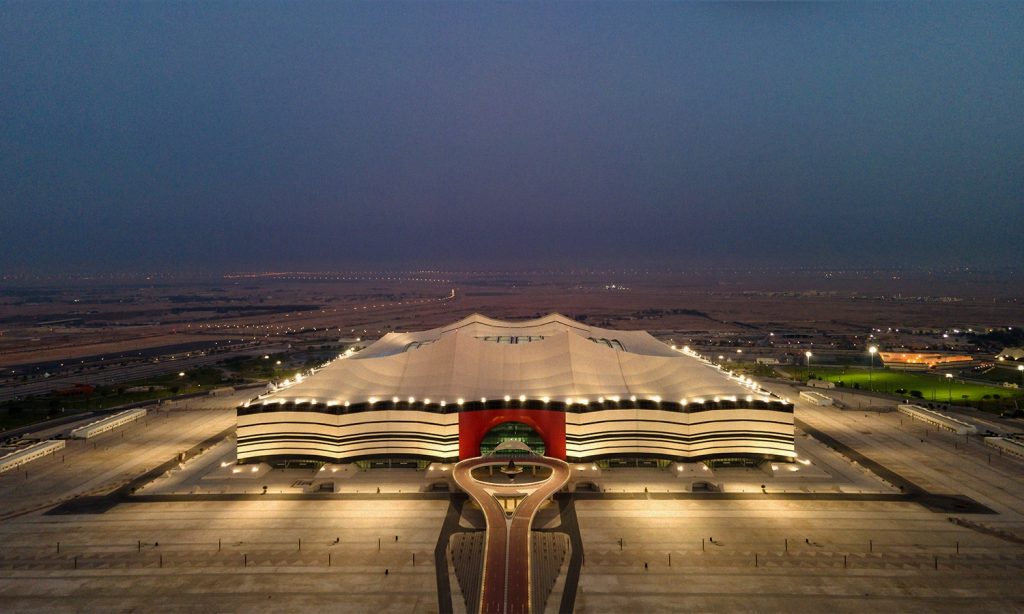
<point>482,321</point>
<point>480,327</point>
<point>479,318</point>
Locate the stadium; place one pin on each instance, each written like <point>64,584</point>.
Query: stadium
<point>568,390</point>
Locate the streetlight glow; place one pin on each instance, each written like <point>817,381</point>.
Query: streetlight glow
<point>871,372</point>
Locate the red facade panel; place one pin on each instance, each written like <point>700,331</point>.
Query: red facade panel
<point>473,425</point>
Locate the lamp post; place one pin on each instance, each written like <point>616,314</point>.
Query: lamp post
<point>871,371</point>
<point>1021,369</point>
<point>808,355</point>
<point>949,380</point>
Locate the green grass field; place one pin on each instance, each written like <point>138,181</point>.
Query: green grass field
<point>931,386</point>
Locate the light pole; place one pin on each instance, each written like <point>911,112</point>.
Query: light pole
<point>808,355</point>
<point>949,380</point>
<point>1021,369</point>
<point>871,371</point>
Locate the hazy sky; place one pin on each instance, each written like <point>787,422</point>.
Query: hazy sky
<point>265,135</point>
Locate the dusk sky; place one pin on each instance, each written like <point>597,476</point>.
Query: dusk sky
<point>331,136</point>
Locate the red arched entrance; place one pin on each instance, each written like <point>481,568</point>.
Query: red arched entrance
<point>473,425</point>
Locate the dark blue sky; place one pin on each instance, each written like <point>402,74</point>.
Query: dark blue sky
<point>340,135</point>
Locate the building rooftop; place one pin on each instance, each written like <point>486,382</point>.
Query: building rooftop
<point>552,357</point>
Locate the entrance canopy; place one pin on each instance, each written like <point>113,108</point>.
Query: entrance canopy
<point>512,446</point>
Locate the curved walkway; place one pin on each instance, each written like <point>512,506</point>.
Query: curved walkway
<point>506,575</point>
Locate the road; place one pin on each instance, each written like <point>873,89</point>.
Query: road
<point>130,372</point>
<point>506,575</point>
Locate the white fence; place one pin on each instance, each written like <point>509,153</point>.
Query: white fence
<point>30,453</point>
<point>1006,445</point>
<point>820,383</point>
<point>108,424</point>
<point>815,398</point>
<point>936,419</point>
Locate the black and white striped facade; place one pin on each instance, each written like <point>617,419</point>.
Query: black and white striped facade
<point>659,433</point>
<point>590,393</point>
<point>268,431</point>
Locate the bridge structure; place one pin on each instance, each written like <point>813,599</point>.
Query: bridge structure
<point>509,510</point>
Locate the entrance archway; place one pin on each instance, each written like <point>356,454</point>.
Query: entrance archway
<point>548,424</point>
<point>511,431</point>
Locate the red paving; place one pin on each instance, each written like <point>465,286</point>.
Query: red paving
<point>506,575</point>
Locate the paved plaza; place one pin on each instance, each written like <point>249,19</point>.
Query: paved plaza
<point>104,462</point>
<point>216,556</point>
<point>789,556</point>
<point>828,536</point>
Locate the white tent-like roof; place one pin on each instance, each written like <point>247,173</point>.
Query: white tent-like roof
<point>482,358</point>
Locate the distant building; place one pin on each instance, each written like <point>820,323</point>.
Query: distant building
<point>568,390</point>
<point>767,360</point>
<point>76,390</point>
<point>912,361</point>
<point>1016,353</point>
